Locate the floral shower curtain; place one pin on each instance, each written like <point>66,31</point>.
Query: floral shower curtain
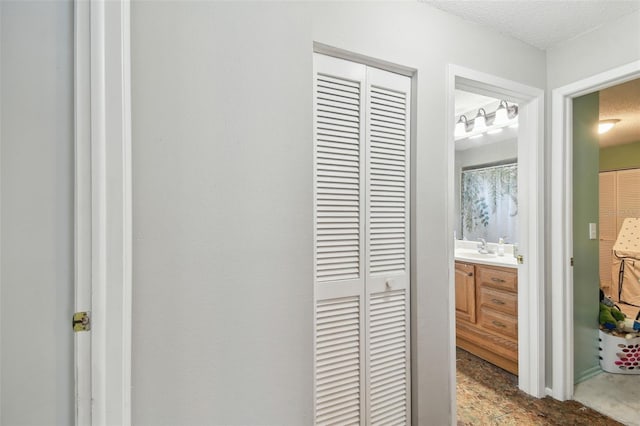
<point>490,203</point>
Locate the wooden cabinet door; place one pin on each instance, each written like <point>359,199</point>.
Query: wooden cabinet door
<point>465,292</point>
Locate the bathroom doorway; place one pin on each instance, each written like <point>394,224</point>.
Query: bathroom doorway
<point>529,290</point>
<point>486,228</point>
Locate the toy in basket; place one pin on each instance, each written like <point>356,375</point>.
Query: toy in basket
<point>619,340</point>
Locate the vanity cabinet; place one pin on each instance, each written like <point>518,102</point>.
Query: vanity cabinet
<point>487,313</point>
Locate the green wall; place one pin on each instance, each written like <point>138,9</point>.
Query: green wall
<point>620,157</point>
<point>586,154</point>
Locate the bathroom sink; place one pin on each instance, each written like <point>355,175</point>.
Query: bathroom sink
<point>472,255</point>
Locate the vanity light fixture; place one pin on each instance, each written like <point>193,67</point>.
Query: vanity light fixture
<point>480,122</point>
<point>605,125</point>
<point>461,126</point>
<point>491,123</point>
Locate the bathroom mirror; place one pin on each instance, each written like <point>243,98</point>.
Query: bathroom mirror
<point>486,169</point>
<point>489,202</point>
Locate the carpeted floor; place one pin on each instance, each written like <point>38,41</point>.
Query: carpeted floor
<point>488,395</point>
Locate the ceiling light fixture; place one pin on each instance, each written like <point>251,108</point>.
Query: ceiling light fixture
<point>605,125</point>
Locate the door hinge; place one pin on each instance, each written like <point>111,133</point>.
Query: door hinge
<point>81,321</point>
<point>571,261</point>
<point>520,259</point>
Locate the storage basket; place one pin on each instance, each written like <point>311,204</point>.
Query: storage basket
<point>619,355</point>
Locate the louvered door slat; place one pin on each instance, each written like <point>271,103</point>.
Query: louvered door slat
<point>608,228</point>
<point>338,240</point>
<point>338,360</point>
<point>338,172</point>
<point>627,195</point>
<point>388,379</point>
<point>387,347</point>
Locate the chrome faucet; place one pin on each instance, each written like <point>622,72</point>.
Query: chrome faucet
<point>482,246</point>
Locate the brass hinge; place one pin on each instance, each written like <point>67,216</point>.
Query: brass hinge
<point>520,259</point>
<point>81,321</point>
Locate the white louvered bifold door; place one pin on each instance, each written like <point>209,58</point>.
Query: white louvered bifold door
<point>608,230</point>
<point>361,239</point>
<point>627,195</point>
<point>387,248</point>
<point>339,241</point>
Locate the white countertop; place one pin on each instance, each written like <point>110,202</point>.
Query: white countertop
<point>467,251</point>
<point>470,256</point>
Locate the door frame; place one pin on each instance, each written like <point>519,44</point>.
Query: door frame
<point>531,307</point>
<point>102,207</point>
<point>561,235</point>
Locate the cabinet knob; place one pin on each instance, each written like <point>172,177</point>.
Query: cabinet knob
<point>469,274</point>
<point>388,284</point>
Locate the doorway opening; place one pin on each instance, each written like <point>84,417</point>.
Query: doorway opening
<point>614,197</point>
<point>486,228</point>
<point>527,297</point>
<point>562,233</point>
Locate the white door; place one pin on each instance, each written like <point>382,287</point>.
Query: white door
<point>361,134</point>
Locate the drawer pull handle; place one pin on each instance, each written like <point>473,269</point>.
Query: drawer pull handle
<point>497,280</point>
<point>498,324</point>
<point>497,301</point>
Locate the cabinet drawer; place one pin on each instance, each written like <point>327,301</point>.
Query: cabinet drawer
<point>499,322</point>
<point>503,278</point>
<point>499,300</point>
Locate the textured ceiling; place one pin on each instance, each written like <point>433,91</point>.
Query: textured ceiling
<point>540,23</point>
<point>621,102</point>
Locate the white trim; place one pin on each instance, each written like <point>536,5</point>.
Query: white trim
<point>103,209</point>
<point>561,238</point>
<point>531,319</point>
<point>347,55</point>
<point>82,208</point>
<point>0,217</point>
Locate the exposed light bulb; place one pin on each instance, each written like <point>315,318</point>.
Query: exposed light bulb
<point>605,125</point>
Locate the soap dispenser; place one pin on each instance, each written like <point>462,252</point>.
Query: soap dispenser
<point>501,247</point>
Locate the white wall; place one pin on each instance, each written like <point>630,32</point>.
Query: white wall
<point>222,172</point>
<point>611,45</point>
<point>36,279</point>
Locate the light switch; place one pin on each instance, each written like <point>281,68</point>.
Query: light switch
<point>592,231</point>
